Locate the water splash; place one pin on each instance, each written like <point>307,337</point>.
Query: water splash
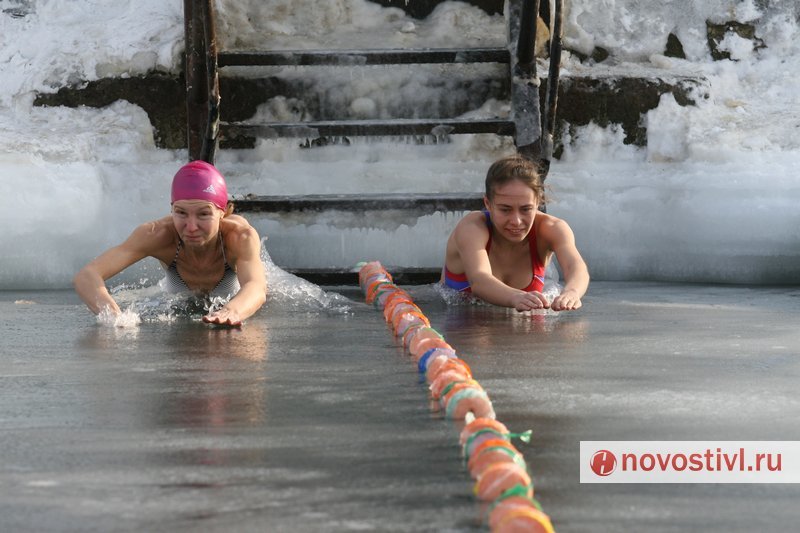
<point>146,300</point>
<point>286,289</point>
<point>127,319</point>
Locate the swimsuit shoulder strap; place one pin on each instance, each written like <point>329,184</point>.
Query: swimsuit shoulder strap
<point>536,261</point>
<point>177,251</point>
<point>488,218</point>
<point>224,257</point>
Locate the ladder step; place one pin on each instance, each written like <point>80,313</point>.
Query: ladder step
<point>363,57</point>
<point>365,128</point>
<point>424,203</point>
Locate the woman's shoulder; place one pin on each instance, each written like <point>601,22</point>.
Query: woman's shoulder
<point>153,238</point>
<point>161,229</point>
<point>551,227</point>
<point>237,224</point>
<point>471,230</point>
<point>236,230</point>
<point>548,220</point>
<point>476,219</point>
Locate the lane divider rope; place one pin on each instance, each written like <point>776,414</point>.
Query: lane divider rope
<point>502,479</point>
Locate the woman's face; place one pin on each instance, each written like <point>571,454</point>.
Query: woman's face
<point>196,221</point>
<point>512,209</point>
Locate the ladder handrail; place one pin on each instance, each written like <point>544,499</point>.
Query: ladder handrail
<point>540,149</point>
<point>202,79</point>
<point>209,149</point>
<point>551,98</point>
<point>526,43</point>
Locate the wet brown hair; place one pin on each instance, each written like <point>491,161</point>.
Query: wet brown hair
<point>515,167</point>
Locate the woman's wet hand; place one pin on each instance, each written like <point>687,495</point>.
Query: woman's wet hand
<point>223,317</point>
<point>528,301</point>
<point>566,301</point>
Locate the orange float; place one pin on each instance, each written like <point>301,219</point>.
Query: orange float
<point>388,309</point>
<point>428,344</point>
<point>521,519</point>
<point>404,318</point>
<point>478,424</point>
<point>475,440</point>
<point>493,451</point>
<point>445,378</point>
<point>452,363</point>
<point>410,333</point>
<point>501,477</point>
<point>469,400</point>
<point>432,355</point>
<point>421,335</point>
<point>454,387</point>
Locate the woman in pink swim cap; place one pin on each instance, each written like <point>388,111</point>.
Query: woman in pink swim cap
<point>204,248</point>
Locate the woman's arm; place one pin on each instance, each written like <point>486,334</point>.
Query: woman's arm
<point>245,244</point>
<point>469,240</point>
<point>576,274</point>
<point>89,282</point>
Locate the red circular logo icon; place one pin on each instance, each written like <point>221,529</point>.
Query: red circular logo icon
<point>603,463</point>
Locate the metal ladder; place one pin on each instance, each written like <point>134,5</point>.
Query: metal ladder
<point>531,124</point>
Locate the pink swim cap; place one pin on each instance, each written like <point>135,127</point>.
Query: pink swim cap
<point>199,180</point>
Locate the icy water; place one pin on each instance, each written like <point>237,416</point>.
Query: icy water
<point>315,420</point>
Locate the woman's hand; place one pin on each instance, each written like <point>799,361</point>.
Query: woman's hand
<point>224,317</point>
<point>566,301</point>
<point>528,301</point>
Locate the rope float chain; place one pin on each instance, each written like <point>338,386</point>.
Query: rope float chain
<point>501,475</point>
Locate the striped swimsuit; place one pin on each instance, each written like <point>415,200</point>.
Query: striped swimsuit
<point>460,282</point>
<point>227,286</point>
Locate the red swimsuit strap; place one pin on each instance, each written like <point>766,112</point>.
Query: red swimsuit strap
<point>537,265</point>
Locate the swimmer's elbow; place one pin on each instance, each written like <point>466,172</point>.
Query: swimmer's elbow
<point>80,279</point>
<point>259,296</point>
<point>482,279</point>
<point>263,297</point>
<point>482,288</point>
